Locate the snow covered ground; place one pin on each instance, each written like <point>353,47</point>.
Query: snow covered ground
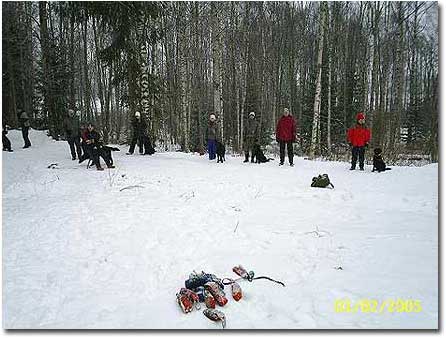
<point>83,250</point>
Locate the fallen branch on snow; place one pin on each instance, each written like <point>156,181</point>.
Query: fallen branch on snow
<point>236,227</point>
<point>131,187</point>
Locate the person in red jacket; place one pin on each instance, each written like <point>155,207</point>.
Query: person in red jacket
<point>286,135</point>
<point>358,137</point>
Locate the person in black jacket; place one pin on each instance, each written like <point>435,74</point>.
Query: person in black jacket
<point>72,133</point>
<point>140,137</point>
<point>5,140</point>
<point>93,147</point>
<point>24,123</point>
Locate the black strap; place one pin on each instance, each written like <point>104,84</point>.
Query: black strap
<point>272,280</point>
<point>229,281</point>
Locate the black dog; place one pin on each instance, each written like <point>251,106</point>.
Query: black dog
<point>259,155</point>
<point>221,149</point>
<point>104,152</point>
<point>378,162</point>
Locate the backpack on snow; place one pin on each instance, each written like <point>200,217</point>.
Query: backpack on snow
<point>321,181</point>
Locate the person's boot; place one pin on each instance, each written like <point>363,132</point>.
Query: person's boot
<point>361,168</point>
<point>352,168</point>
<point>73,158</point>
<point>252,159</point>
<point>98,167</point>
<point>110,166</point>
<point>246,158</point>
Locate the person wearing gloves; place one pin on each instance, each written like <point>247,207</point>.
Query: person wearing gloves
<point>286,135</point>
<point>358,137</point>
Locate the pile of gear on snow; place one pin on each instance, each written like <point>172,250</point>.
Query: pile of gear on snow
<point>209,289</point>
<point>322,181</point>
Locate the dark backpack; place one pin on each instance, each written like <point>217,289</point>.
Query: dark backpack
<point>321,181</point>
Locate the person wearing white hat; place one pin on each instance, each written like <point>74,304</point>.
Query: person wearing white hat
<point>251,136</point>
<point>212,135</point>
<point>140,136</point>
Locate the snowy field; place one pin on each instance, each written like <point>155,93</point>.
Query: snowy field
<point>89,249</point>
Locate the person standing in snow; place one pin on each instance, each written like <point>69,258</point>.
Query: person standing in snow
<point>24,123</point>
<point>72,133</point>
<point>5,140</point>
<point>286,135</point>
<point>212,136</point>
<point>251,136</point>
<point>358,137</point>
<point>139,135</point>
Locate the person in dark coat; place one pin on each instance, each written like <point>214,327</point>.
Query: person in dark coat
<point>286,135</point>
<point>358,137</point>
<point>72,133</point>
<point>93,148</point>
<point>5,140</point>
<point>212,135</point>
<point>140,137</point>
<point>251,136</point>
<point>83,133</point>
<point>24,123</point>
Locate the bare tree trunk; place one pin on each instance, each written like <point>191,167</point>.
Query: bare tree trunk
<point>400,86</point>
<point>44,40</point>
<point>87,94</point>
<point>317,96</point>
<point>329,92</point>
<point>144,75</point>
<point>329,107</point>
<point>216,64</point>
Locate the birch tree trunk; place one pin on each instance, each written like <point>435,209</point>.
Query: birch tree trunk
<point>317,96</point>
<point>400,85</point>
<point>144,75</point>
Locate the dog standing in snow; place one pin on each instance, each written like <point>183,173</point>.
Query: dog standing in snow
<point>221,149</point>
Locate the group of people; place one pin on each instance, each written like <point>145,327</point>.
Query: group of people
<point>85,141</point>
<point>357,136</point>
<point>285,136</point>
